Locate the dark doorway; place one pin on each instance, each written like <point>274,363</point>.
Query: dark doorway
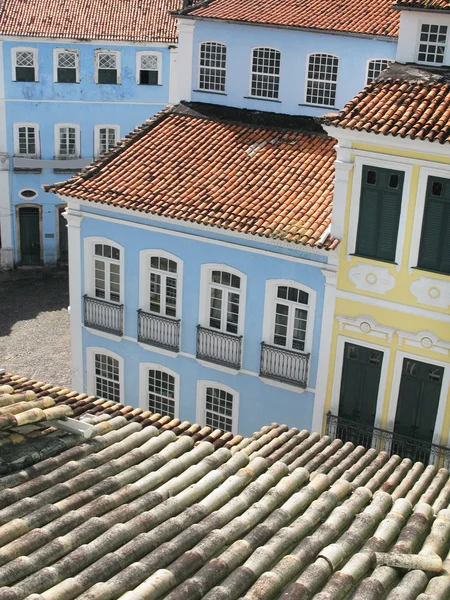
<point>30,237</point>
<point>63,255</point>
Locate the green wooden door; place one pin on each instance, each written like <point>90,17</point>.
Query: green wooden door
<point>63,245</point>
<point>418,400</point>
<point>360,381</point>
<point>30,239</point>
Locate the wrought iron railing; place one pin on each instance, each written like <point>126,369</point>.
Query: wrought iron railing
<point>103,315</point>
<point>382,439</point>
<point>218,347</point>
<point>159,331</point>
<point>284,365</point>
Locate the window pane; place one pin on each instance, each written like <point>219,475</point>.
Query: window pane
<point>171,297</point>
<point>215,313</point>
<point>107,377</point>
<point>433,40</point>
<point>376,67</point>
<point>212,66</point>
<point>155,293</point>
<point>27,140</point>
<point>99,279</point>
<point>25,68</point>
<point>281,322</point>
<point>322,77</point>
<point>299,333</point>
<point>219,409</point>
<point>232,313</point>
<point>265,73</point>
<point>161,393</point>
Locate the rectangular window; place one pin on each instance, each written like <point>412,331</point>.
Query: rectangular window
<point>290,318</point>
<point>149,67</point>
<point>224,301</point>
<point>161,393</point>
<point>25,65</point>
<point>107,138</point>
<point>265,73</point>
<point>107,272</point>
<point>163,286</point>
<point>66,66</point>
<point>107,67</point>
<point>213,59</point>
<point>376,67</point>
<point>107,384</point>
<point>68,143</point>
<point>26,141</point>
<point>434,252</point>
<point>322,78</point>
<point>433,39</point>
<point>219,409</point>
<point>379,213</point>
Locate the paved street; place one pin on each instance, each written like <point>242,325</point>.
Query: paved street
<point>34,329</point>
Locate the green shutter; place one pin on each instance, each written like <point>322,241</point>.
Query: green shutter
<point>434,253</point>
<point>379,213</point>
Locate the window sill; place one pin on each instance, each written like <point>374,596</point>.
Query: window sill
<point>262,98</point>
<point>98,83</point>
<point>417,268</point>
<point>150,84</point>
<point>321,106</point>
<point>67,82</point>
<point>380,260</point>
<point>26,170</point>
<point>210,92</point>
<point>62,171</point>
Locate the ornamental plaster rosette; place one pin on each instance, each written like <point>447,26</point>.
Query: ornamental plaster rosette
<point>433,292</point>
<point>371,278</point>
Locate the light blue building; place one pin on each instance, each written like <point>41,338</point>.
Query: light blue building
<point>72,83</point>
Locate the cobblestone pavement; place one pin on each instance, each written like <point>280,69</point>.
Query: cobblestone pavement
<point>34,329</point>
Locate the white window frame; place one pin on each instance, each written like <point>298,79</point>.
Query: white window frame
<point>383,162</point>
<point>16,127</point>
<point>14,52</point>
<point>252,73</point>
<point>201,402</point>
<point>371,60</point>
<point>209,90</point>
<point>28,199</point>
<point>89,267</point>
<point>270,303</point>
<point>144,279</point>
<point>307,79</point>
<point>205,295</point>
<point>424,174</point>
<point>57,128</point>
<point>144,368</point>
<point>97,128</point>
<point>91,351</point>
<point>56,53</point>
<point>446,47</point>
<point>139,56</point>
<point>117,54</point>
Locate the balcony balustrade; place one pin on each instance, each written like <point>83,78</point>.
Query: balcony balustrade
<point>284,365</point>
<point>159,331</point>
<point>103,315</point>
<point>382,439</point>
<point>218,347</point>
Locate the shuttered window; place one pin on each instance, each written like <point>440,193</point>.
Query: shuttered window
<point>434,252</point>
<point>379,213</point>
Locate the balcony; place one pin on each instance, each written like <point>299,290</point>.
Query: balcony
<point>159,331</point>
<point>284,365</point>
<point>382,439</point>
<point>103,315</point>
<point>36,162</point>
<point>218,347</point>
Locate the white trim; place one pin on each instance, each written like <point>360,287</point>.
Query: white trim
<point>200,44</point>
<point>37,138</point>
<point>144,280</point>
<point>117,54</point>
<point>395,390</point>
<point>56,53</point>
<point>337,377</point>
<point>91,351</point>
<point>252,50</point>
<point>424,339</point>
<point>144,368</point>
<point>397,306</point>
<point>225,232</point>
<point>34,51</point>
<point>204,303</point>
<point>307,79</point>
<point>201,402</point>
<point>104,334</point>
<point>424,173</point>
<point>89,259</point>
<point>183,79</point>
<point>174,94</point>
<point>383,162</point>
<point>365,325</point>
<point>26,199</point>
<point>97,128</point>
<point>139,55</point>
<point>17,209</point>
<point>56,134</point>
<point>285,386</point>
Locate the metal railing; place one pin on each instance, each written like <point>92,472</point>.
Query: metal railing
<point>382,439</point>
<point>103,315</point>
<point>159,331</point>
<point>218,347</point>
<point>284,365</point>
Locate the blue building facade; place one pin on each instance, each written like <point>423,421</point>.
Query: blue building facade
<point>64,103</point>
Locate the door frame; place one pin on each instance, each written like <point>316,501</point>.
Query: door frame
<point>337,378</point>
<point>395,390</point>
<point>41,241</point>
<point>57,208</point>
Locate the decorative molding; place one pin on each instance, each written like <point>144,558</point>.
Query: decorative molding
<point>431,291</point>
<point>424,339</point>
<point>371,278</point>
<point>367,325</point>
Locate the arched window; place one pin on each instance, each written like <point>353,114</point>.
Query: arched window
<point>213,62</point>
<point>217,406</point>
<point>107,272</point>
<point>159,389</point>
<point>321,80</point>
<point>105,374</point>
<point>224,296</point>
<point>375,67</point>
<point>265,81</point>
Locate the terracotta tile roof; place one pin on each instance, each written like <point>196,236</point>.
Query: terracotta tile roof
<point>272,180</point>
<point>121,20</point>
<point>370,17</point>
<point>424,4</point>
<point>405,101</point>
<point>136,512</point>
